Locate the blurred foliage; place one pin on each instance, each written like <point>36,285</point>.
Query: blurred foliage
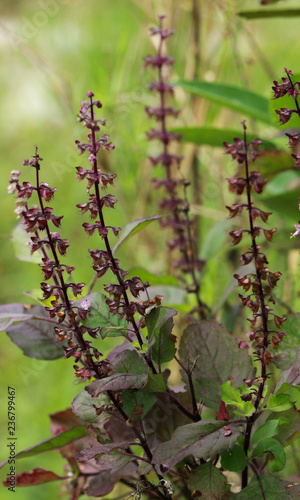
<point>51,54</point>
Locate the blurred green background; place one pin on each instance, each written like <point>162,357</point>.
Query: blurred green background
<point>52,52</point>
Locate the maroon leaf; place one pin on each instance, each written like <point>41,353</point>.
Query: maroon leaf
<point>36,476</point>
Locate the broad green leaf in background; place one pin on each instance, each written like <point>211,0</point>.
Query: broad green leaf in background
<point>234,459</point>
<point>283,204</point>
<point>53,443</point>
<point>207,479</point>
<point>215,238</point>
<point>203,439</point>
<point>268,14</point>
<point>20,239</point>
<point>241,100</point>
<point>273,488</point>
<point>269,429</point>
<point>153,280</point>
<point>272,162</point>
<point>275,450</point>
<point>289,432</point>
<point>211,136</point>
<point>134,227</point>
<point>36,336</point>
<point>172,295</point>
<point>218,358</point>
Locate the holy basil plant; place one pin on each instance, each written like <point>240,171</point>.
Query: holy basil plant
<point>180,408</point>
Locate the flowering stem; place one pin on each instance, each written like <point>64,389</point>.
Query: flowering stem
<point>264,316</point>
<point>106,241</point>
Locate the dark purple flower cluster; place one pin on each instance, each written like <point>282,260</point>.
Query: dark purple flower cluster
<point>178,207</point>
<point>287,87</point>
<point>103,260</point>
<point>37,220</point>
<point>261,282</point>
<point>292,89</point>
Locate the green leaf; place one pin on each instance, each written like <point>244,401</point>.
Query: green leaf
<point>270,13</point>
<point>155,319</point>
<point>111,325</point>
<point>290,432</point>
<point>53,443</point>
<point>203,439</point>
<point>218,358</point>
<point>235,459</point>
<point>173,295</point>
<point>269,429</point>
<point>215,239</point>
<point>208,480</point>
<point>132,228</point>
<point>273,488</point>
<point>36,336</point>
<point>20,239</point>
<point>211,136</point>
<point>276,451</point>
<point>164,348</point>
<point>154,280</point>
<point>279,402</point>
<point>282,204</point>
<point>231,396</point>
<point>241,100</point>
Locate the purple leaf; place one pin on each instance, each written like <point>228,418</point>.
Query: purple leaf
<point>104,449</point>
<point>219,358</point>
<point>117,382</point>
<point>103,483</point>
<point>203,439</point>
<point>36,337</point>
